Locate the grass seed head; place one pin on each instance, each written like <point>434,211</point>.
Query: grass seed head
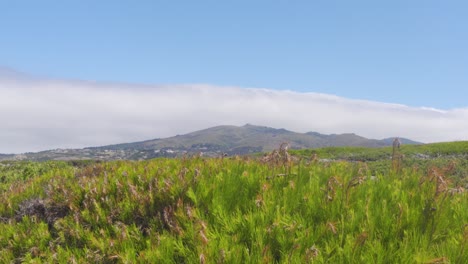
<point>332,227</point>
<point>441,260</point>
<point>203,237</point>
<point>202,258</point>
<point>312,253</point>
<point>361,239</point>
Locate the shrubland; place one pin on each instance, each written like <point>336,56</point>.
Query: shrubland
<point>278,209</point>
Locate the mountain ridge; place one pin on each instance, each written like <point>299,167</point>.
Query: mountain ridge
<point>213,141</point>
<point>231,136</point>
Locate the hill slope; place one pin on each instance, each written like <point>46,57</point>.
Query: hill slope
<point>213,141</point>
<point>199,210</point>
<point>258,138</point>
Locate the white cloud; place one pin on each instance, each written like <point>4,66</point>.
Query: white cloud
<point>45,114</point>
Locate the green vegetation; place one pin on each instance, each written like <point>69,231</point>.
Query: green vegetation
<point>421,157</point>
<point>435,150</point>
<point>238,210</point>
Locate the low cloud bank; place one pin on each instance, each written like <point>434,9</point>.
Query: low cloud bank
<point>39,114</point>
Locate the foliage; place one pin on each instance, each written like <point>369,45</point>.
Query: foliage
<point>434,150</point>
<point>422,157</point>
<point>232,210</point>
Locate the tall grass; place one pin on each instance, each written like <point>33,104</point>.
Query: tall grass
<point>232,210</point>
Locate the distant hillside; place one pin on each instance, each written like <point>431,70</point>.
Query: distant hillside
<point>249,138</point>
<point>231,140</point>
<point>404,141</point>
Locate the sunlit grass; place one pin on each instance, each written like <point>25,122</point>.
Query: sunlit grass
<point>231,210</point>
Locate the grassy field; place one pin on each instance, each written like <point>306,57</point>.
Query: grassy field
<point>332,205</point>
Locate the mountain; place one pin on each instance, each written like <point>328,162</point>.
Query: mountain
<point>404,141</point>
<point>235,140</point>
<point>214,141</point>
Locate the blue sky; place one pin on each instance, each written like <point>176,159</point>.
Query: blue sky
<point>86,73</point>
<point>408,52</point>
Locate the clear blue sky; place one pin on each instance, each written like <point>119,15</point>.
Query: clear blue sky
<point>410,52</point>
